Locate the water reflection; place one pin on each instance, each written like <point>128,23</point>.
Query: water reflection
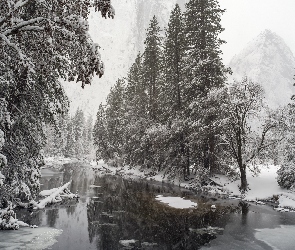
<point>128,210</point>
<point>114,213</point>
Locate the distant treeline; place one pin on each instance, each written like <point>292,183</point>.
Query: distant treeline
<point>175,111</point>
<point>72,137</point>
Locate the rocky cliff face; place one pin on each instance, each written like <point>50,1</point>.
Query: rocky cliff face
<point>120,39</point>
<point>269,61</point>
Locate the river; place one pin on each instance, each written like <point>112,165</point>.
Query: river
<point>115,213</point>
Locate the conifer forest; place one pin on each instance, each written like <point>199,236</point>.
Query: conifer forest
<point>183,146</point>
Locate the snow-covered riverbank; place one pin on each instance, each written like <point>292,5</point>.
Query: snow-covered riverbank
<point>263,187</point>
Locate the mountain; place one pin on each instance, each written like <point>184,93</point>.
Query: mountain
<point>120,39</point>
<point>269,61</point>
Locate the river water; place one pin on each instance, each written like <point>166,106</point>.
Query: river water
<point>115,213</point>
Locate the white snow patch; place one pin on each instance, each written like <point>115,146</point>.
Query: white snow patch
<point>48,192</point>
<point>94,186</point>
<point>176,202</point>
<point>126,243</point>
<point>27,238</point>
<point>57,161</point>
<point>262,187</point>
<point>277,238</point>
<point>287,200</point>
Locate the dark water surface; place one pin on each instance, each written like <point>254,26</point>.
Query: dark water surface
<point>113,213</point>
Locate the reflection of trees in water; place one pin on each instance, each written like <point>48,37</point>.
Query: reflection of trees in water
<point>128,210</point>
<point>52,182</point>
<point>52,216</point>
<point>80,176</point>
<point>29,217</point>
<point>244,206</point>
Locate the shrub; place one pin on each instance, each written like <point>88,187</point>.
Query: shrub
<point>286,176</point>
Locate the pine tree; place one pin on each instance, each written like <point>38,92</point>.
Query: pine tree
<point>70,140</point>
<point>88,136</point>
<point>152,66</point>
<point>204,71</point>
<point>100,136</point>
<point>204,67</point>
<point>173,55</point>
<point>136,114</point>
<point>78,123</point>
<point>136,97</point>
<point>115,113</point>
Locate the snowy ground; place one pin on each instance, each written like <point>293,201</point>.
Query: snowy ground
<point>262,187</point>
<point>27,238</point>
<point>58,161</point>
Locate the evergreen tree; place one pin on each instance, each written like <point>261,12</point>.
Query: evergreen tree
<point>115,120</point>
<point>78,123</point>
<point>204,71</point>
<point>152,60</point>
<point>136,96</point>
<point>88,139</point>
<point>204,68</point>
<point>70,143</point>
<point>136,114</point>
<point>101,141</point>
<point>173,55</point>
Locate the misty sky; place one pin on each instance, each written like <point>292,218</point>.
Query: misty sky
<point>246,19</point>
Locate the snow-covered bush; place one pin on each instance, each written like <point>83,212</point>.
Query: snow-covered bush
<point>202,175</point>
<point>7,219</point>
<point>286,176</point>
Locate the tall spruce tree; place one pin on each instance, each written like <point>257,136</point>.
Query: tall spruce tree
<point>173,55</point>
<point>204,67</point>
<point>173,92</point>
<point>100,136</point>
<point>152,65</point>
<point>115,118</point>
<point>136,96</point>
<point>137,99</point>
<point>78,122</point>
<point>204,71</point>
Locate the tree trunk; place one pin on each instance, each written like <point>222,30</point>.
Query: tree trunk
<point>188,161</point>
<point>212,166</point>
<point>244,184</point>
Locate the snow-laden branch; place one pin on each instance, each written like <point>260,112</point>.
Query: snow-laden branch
<point>22,24</point>
<point>18,5</point>
<point>54,196</point>
<point>22,57</point>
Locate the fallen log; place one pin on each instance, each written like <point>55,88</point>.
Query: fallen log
<point>55,196</point>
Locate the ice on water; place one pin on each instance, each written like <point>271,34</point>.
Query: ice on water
<point>28,238</point>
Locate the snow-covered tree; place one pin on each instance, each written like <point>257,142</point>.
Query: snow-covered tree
<point>246,126</point>
<point>88,137</point>
<point>41,42</point>
<point>100,136</point>
<point>204,68</point>
<point>173,55</point>
<point>152,63</point>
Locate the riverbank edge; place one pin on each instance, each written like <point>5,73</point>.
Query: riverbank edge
<point>281,200</point>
